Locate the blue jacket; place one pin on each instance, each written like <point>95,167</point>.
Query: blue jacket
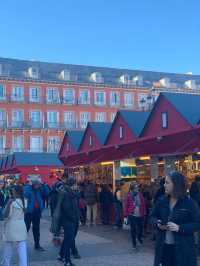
<point>30,195</point>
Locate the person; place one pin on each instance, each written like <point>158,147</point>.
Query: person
<point>161,191</point>
<point>14,228</point>
<point>3,197</point>
<point>82,206</point>
<point>195,190</point>
<point>135,211</point>
<point>176,217</point>
<point>105,200</point>
<point>118,207</point>
<point>34,194</point>
<point>91,199</point>
<point>69,220</point>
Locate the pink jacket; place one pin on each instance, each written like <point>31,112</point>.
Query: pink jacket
<point>130,205</point>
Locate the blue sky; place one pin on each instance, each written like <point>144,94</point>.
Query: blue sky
<point>146,34</point>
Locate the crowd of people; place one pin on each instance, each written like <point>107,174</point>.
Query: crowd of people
<point>170,212</point>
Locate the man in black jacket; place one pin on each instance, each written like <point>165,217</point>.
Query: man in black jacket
<point>69,221</point>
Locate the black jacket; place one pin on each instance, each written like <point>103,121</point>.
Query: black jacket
<point>69,207</point>
<point>186,214</point>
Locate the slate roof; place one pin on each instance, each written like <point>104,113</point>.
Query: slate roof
<point>101,130</point>
<point>39,159</point>
<point>135,120</point>
<point>75,137</point>
<point>49,72</point>
<point>188,105</point>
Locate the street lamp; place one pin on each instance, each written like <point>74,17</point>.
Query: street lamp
<point>142,103</point>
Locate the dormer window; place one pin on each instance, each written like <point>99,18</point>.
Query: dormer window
<point>125,79</point>
<point>96,77</point>
<point>90,141</point>
<point>190,84</point>
<point>65,75</point>
<point>137,80</point>
<point>33,72</point>
<point>165,82</point>
<point>121,132</point>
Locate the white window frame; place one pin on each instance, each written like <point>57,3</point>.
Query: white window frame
<point>18,143</point>
<point>54,97</point>
<point>3,96</point>
<point>32,98</point>
<point>53,147</point>
<point>100,117</point>
<point>81,99</point>
<point>83,122</point>
<point>164,120</point>
<point>104,97</point>
<point>53,124</point>
<point>37,123</point>
<point>112,96</point>
<point>121,132</point>
<point>90,141</point>
<point>15,95</point>
<point>3,141</point>
<point>40,149</point>
<point>65,99</point>
<point>69,119</point>
<point>112,116</point>
<point>3,117</point>
<point>17,122</point>
<point>128,99</point>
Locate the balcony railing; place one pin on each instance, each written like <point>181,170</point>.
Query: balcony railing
<point>3,124</point>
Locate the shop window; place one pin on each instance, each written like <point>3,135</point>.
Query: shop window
<point>164,120</point>
<point>121,132</point>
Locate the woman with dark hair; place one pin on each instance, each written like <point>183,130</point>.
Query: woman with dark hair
<point>134,211</point>
<point>14,227</point>
<point>176,218</point>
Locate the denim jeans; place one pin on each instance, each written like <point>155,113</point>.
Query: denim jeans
<point>118,214</point>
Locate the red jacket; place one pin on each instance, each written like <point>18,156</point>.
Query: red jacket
<point>130,205</point>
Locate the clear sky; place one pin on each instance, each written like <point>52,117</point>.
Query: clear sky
<point>161,35</point>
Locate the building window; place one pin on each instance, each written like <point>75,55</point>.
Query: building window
<point>121,132</point>
<point>36,144</point>
<point>53,95</point>
<point>17,94</point>
<point>34,95</point>
<point>84,119</point>
<point>90,141</point>
<point>84,97</point>
<point>68,96</point>
<point>53,119</point>
<point>128,99</point>
<point>2,92</point>
<point>35,119</point>
<point>53,144</point>
<point>18,143</point>
<point>114,98</point>
<point>100,117</point>
<point>2,118</point>
<point>69,119</point>
<point>164,120</point>
<point>100,98</point>
<point>142,100</point>
<point>112,116</point>
<point>17,118</point>
<point>2,144</point>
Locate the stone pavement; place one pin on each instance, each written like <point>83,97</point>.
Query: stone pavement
<point>98,245</point>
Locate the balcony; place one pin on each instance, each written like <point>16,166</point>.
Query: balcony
<point>69,124</point>
<point>55,125</point>
<point>3,123</point>
<point>55,100</point>
<point>36,124</point>
<point>17,98</point>
<point>17,124</point>
<point>3,98</point>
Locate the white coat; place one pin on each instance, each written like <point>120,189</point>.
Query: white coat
<point>14,225</point>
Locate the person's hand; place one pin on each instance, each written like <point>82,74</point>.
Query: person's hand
<point>161,226</point>
<point>172,227</point>
<point>126,220</point>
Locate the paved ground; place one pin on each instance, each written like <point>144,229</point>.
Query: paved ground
<point>99,245</point>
